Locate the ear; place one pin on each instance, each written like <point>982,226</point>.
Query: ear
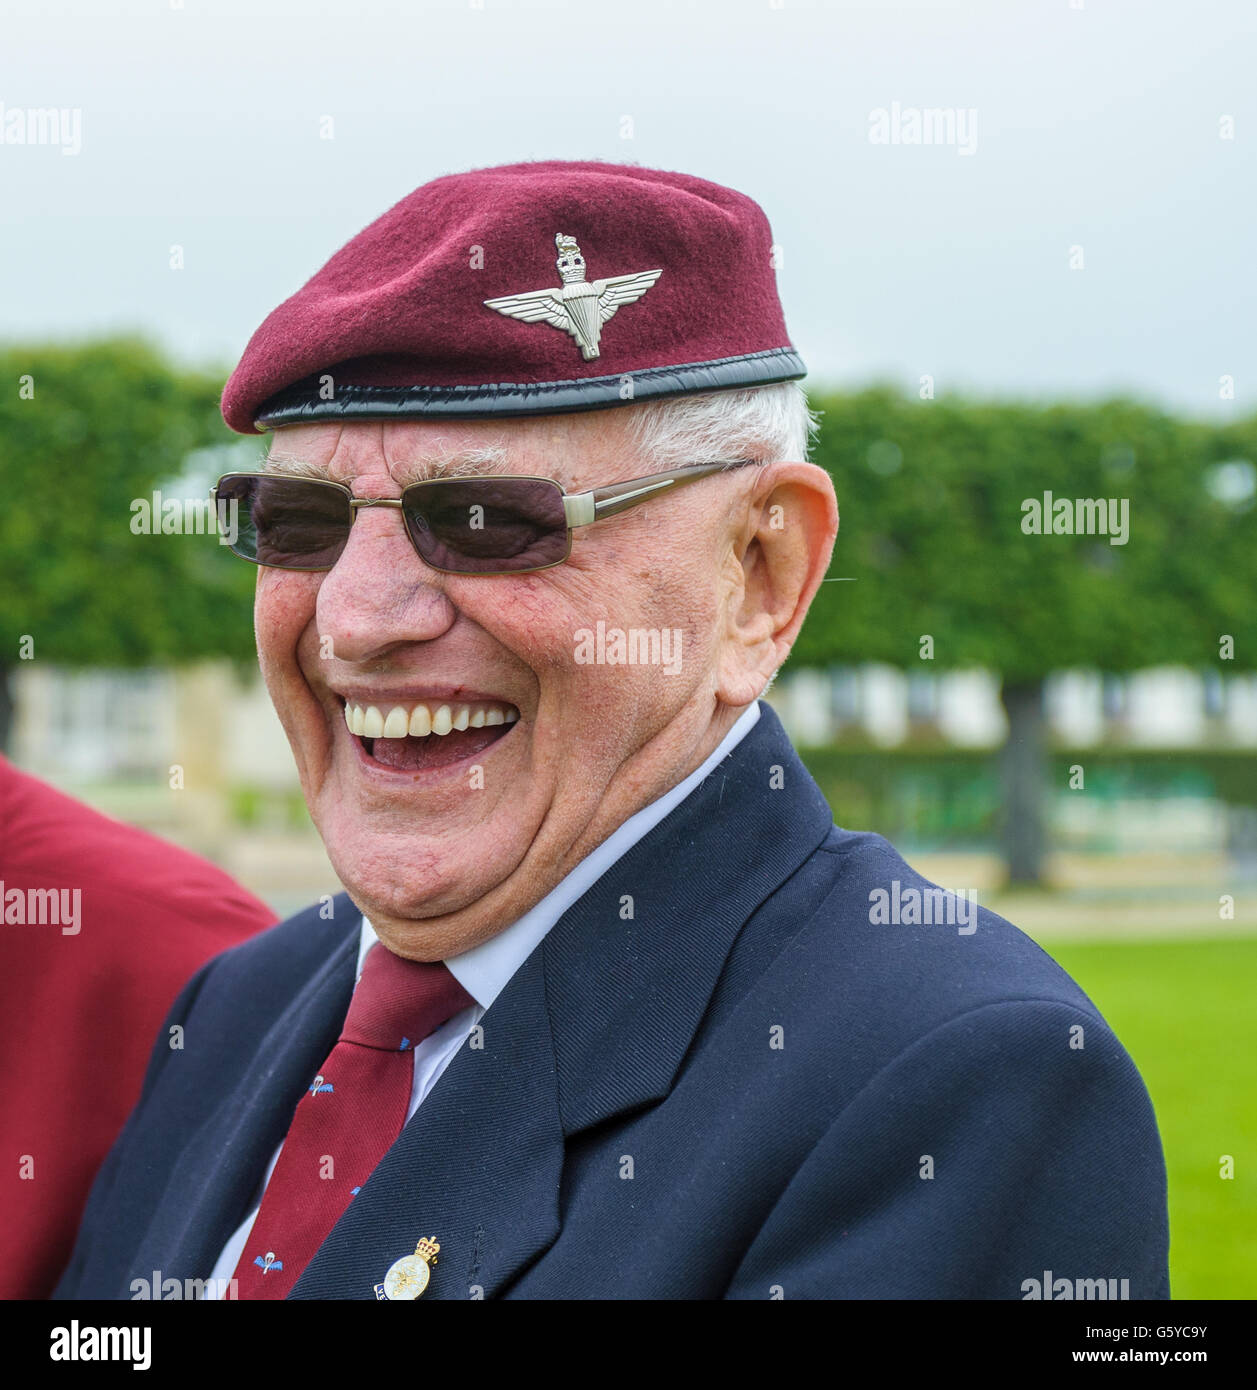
<point>780,548</point>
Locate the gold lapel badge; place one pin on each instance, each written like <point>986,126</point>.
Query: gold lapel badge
<point>408,1277</point>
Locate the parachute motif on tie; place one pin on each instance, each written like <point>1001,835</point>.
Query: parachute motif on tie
<point>576,306</point>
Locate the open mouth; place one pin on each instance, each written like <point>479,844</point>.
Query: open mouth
<point>418,737</point>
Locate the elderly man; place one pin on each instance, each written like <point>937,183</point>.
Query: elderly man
<point>611,1008</point>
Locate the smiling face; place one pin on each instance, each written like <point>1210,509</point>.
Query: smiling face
<point>458,749</point>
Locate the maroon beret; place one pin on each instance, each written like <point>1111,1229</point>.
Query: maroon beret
<point>526,289</point>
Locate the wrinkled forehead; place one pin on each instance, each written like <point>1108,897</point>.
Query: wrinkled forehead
<point>575,450</point>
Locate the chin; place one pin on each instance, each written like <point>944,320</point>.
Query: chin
<point>391,878</point>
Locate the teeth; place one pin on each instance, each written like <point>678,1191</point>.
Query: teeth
<point>418,721</point>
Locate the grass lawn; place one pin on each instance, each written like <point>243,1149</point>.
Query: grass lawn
<point>1186,1011</point>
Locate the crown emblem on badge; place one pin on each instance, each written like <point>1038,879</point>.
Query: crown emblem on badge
<point>577,306</point>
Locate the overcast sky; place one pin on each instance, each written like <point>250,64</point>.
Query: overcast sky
<point>1085,129</point>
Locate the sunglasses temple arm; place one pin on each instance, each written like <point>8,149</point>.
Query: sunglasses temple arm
<point>582,508</point>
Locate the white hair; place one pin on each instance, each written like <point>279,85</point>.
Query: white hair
<point>766,423</point>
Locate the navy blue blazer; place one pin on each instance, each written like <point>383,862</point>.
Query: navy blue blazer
<point>754,1087</point>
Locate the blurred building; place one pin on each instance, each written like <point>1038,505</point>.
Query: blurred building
<point>103,725</point>
<point>1166,707</point>
<point>198,754</point>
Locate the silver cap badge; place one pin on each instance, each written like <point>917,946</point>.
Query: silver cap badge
<point>576,306</point>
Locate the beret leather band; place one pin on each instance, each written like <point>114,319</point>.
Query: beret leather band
<point>305,401</point>
<point>527,289</point>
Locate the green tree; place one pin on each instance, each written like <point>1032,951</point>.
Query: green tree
<point>87,433</point>
<point>934,500</point>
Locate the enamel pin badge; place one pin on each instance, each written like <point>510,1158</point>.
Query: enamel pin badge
<point>576,306</point>
<point>408,1277</point>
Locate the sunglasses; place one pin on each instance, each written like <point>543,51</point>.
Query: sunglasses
<point>465,525</point>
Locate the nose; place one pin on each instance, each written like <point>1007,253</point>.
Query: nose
<point>380,594</point>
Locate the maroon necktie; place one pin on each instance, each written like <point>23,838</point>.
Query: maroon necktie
<point>349,1117</point>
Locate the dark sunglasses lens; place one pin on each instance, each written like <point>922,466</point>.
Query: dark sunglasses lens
<point>288,523</point>
<point>487,525</point>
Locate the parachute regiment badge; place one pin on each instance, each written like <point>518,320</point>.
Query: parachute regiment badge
<point>576,306</point>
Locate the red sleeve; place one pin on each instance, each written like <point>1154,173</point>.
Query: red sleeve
<point>82,996</point>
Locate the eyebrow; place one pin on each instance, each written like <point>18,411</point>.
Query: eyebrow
<point>460,463</point>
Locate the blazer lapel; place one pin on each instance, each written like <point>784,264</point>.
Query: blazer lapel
<point>477,1167</point>
<point>631,968</point>
<point>218,1172</point>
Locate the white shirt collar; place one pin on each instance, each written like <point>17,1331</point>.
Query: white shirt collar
<point>484,970</point>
